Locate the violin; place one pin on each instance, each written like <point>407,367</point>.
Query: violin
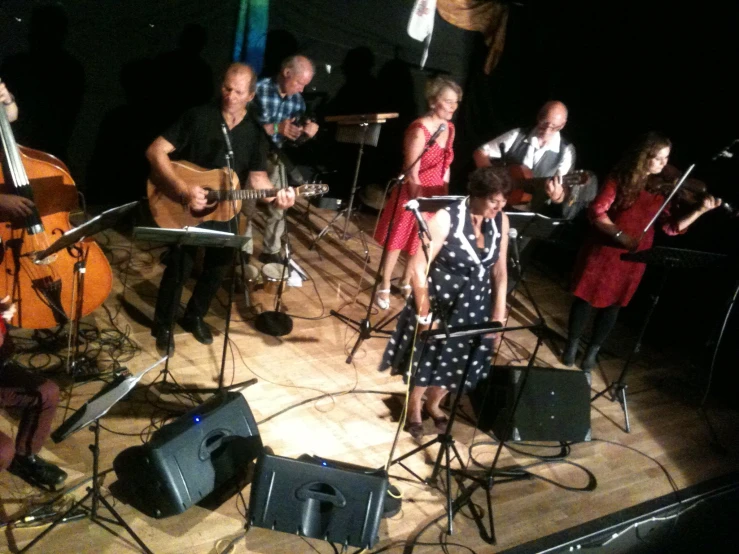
<point>691,194</point>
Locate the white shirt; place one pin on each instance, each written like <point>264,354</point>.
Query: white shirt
<point>535,152</point>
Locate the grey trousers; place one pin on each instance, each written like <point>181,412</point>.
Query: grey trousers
<point>274,226</point>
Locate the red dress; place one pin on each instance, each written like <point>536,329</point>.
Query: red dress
<point>601,277</point>
<point>431,170</point>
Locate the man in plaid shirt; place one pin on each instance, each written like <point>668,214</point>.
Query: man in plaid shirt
<point>279,105</point>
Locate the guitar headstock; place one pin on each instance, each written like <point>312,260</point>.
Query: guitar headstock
<point>579,177</point>
<point>311,189</point>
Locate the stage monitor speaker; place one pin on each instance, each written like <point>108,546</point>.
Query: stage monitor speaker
<point>318,498</point>
<point>201,452</point>
<point>555,405</point>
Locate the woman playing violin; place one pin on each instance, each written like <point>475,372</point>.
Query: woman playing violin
<point>628,201</point>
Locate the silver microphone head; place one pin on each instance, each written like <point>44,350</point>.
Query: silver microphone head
<point>442,127</point>
<point>512,233</point>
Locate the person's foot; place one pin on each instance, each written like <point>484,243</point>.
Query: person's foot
<point>163,342</point>
<point>198,328</point>
<point>274,258</point>
<point>415,429</point>
<point>439,418</point>
<point>36,471</point>
<point>382,299</point>
<point>405,290</point>
<point>590,359</point>
<point>570,353</point>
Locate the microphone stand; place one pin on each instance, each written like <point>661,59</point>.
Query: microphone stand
<point>363,327</point>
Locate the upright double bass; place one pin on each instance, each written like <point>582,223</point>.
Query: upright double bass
<point>64,286</point>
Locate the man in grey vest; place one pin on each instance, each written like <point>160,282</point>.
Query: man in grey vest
<point>543,150</point>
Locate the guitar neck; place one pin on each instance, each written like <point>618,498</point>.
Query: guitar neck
<point>241,194</point>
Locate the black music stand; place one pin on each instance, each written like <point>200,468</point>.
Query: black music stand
<point>364,327</point>
<point>446,441</point>
<point>89,414</point>
<point>97,224</point>
<point>667,258</point>
<point>196,236</point>
<point>361,133</point>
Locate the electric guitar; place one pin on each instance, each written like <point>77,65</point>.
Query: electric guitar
<point>223,196</point>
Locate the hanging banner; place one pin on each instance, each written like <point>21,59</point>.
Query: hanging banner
<point>251,33</point>
<point>421,25</point>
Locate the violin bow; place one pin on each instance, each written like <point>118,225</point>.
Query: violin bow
<point>667,200</point>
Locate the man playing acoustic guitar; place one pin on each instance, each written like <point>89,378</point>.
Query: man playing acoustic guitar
<point>198,138</point>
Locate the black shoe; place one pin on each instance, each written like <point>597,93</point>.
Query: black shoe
<point>275,258</point>
<point>198,328</point>
<point>32,469</point>
<point>163,344</point>
<point>590,359</point>
<point>570,353</point>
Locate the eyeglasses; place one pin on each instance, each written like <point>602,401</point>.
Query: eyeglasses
<point>545,126</point>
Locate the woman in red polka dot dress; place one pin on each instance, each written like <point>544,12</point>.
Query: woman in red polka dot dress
<point>429,177</point>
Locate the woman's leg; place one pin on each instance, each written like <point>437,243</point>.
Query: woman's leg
<point>383,292</point>
<point>579,315</point>
<point>415,403</point>
<point>605,319</point>
<point>434,396</point>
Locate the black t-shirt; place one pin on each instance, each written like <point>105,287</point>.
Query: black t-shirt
<point>198,138</point>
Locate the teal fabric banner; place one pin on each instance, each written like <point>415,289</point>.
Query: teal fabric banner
<point>251,33</point>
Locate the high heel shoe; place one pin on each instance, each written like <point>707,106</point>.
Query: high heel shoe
<point>383,303</point>
<point>405,290</point>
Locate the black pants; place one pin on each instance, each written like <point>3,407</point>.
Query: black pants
<point>605,319</point>
<point>180,261</point>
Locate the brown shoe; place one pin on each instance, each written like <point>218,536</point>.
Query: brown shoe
<point>415,428</point>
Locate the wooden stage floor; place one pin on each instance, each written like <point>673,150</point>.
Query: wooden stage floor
<point>667,449</point>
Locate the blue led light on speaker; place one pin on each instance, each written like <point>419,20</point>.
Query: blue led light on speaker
<point>197,419</point>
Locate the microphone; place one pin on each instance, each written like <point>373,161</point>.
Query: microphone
<point>412,206</point>
<point>513,239</point>
<point>436,134</point>
<point>725,152</point>
<point>502,149</point>
<point>229,148</point>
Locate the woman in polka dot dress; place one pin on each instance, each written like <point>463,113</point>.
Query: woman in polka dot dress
<point>467,282</point>
<point>429,177</point>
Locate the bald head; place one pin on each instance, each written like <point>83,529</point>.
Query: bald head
<point>551,119</point>
<point>296,73</point>
<point>241,71</point>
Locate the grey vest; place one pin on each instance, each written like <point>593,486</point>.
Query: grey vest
<point>547,165</point>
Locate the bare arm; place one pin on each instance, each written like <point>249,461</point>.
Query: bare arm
<point>499,275</point>
<point>709,203</point>
<point>161,166</point>
<point>413,145</point>
<point>439,227</point>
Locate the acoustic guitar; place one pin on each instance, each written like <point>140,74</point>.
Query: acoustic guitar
<point>525,182</point>
<point>223,196</point>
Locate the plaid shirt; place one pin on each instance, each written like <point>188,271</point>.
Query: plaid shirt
<point>273,108</point>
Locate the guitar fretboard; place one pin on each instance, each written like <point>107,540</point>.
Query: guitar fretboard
<point>247,194</point>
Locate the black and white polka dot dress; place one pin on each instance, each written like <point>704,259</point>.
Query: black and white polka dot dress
<point>461,282</point>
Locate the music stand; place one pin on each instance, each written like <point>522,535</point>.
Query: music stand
<point>446,441</point>
<point>89,414</point>
<point>195,236</point>
<point>669,259</point>
<point>97,224</point>
<point>361,130</point>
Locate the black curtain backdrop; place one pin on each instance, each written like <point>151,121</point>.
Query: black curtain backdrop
<point>107,88</point>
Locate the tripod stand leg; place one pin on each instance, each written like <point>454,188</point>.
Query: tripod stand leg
<point>56,522</point>
<point>621,397</point>
<point>326,229</point>
<point>125,525</point>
